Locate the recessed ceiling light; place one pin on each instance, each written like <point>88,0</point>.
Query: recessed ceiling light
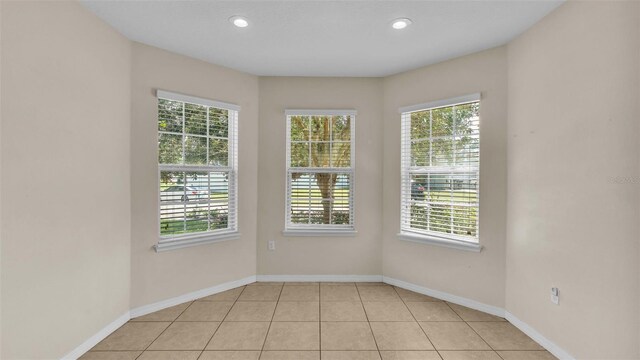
<point>401,23</point>
<point>239,21</point>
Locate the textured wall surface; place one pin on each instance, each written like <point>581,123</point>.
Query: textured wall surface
<point>574,197</point>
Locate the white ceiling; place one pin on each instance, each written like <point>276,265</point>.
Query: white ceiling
<point>322,38</point>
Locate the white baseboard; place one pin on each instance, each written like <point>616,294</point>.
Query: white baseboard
<point>320,278</point>
<point>147,309</point>
<point>489,309</point>
<point>539,338</point>
<point>99,336</point>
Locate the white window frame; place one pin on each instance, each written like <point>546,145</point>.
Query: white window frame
<point>172,242</point>
<point>320,230</point>
<point>423,236</point>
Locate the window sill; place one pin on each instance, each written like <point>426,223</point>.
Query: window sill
<point>433,240</point>
<point>188,241</point>
<point>320,232</point>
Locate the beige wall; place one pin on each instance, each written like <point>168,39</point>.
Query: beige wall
<point>159,276</point>
<point>65,177</point>
<point>1,100</point>
<point>478,276</point>
<point>1,51</point>
<point>574,197</point>
<point>359,255</point>
<point>78,178</point>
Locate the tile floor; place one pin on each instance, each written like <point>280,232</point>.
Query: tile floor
<point>328,321</point>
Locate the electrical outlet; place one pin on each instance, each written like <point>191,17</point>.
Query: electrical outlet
<point>555,296</point>
<point>272,245</point>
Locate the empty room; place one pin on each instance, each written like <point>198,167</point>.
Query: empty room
<point>319,180</point>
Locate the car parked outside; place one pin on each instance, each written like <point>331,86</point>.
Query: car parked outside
<point>417,191</point>
<point>177,193</point>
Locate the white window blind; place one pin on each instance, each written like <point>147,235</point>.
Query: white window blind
<point>197,156</point>
<point>440,166</point>
<point>320,170</point>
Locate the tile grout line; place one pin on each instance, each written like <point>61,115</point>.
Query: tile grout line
<point>417,322</point>
<point>271,322</point>
<point>282,286</point>
<point>368,322</point>
<point>320,320</point>
<point>474,330</point>
<point>165,329</point>
<point>223,319</point>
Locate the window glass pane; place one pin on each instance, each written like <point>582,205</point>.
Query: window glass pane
<point>341,128</point>
<point>442,152</point>
<point>169,149</point>
<point>195,119</point>
<point>419,185</point>
<point>466,118</point>
<point>320,198</point>
<point>170,115</point>
<point>218,122</point>
<point>340,154</point>
<point>218,152</point>
<point>420,124</point>
<point>195,150</point>
<point>320,154</point>
<point>300,197</point>
<point>340,214</point>
<point>442,122</point>
<point>300,154</point>
<point>197,201</point>
<point>420,153</point>
<point>464,220</point>
<point>299,128</point>
<point>439,218</point>
<point>172,203</point>
<point>219,194</point>
<point>467,151</point>
<point>320,128</point>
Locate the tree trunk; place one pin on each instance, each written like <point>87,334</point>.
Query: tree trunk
<point>326,183</point>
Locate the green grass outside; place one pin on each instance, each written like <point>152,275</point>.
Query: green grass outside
<point>341,200</point>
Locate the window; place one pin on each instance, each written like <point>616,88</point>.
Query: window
<point>320,176</point>
<point>440,172</point>
<point>197,156</point>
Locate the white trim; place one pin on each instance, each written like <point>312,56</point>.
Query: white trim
<point>97,337</point>
<point>147,309</point>
<point>476,305</point>
<point>539,338</point>
<point>319,232</point>
<point>550,346</point>
<point>168,95</point>
<point>320,278</point>
<point>307,230</point>
<point>440,103</point>
<point>320,112</point>
<point>175,243</point>
<point>433,240</point>
<point>172,242</point>
<point>407,231</point>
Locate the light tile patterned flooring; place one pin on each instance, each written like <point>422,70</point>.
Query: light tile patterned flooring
<point>328,321</point>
